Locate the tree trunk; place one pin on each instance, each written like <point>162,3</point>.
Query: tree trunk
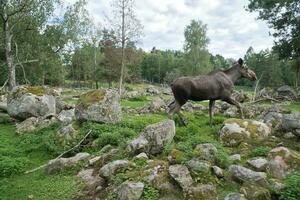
<point>8,54</point>
<point>123,49</point>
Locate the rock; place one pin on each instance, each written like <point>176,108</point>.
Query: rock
<point>157,105</point>
<point>235,196</point>
<point>236,131</point>
<point>99,106</point>
<point>113,167</point>
<point>203,191</point>
<point>181,175</point>
<point>130,190</point>
<point>283,161</point>
<point>291,122</point>
<point>176,157</point>
<point>207,151</point>
<point>290,135</point>
<point>199,166</point>
<point>57,165</point>
<point>258,164</point>
<point>104,158</point>
<point>287,93</point>
<point>25,102</point>
<point>3,106</point>
<point>89,179</point>
<point>239,96</point>
<point>153,138</point>
<point>141,156</point>
<point>33,123</point>
<point>61,105</point>
<point>66,116</point>
<point>273,118</point>
<point>194,108</point>
<point>151,90</point>
<point>232,111</point>
<point>67,132</point>
<point>235,157</point>
<point>218,171</point>
<point>132,94</point>
<point>255,192</point>
<point>242,174</point>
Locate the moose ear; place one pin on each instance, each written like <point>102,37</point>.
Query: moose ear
<point>240,61</point>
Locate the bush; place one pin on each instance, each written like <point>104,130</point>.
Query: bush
<point>150,193</point>
<point>260,151</point>
<point>291,190</point>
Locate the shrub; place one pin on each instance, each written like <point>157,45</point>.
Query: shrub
<point>291,190</point>
<point>150,193</point>
<point>260,151</point>
<point>10,165</point>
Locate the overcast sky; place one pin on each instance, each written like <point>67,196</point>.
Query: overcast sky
<point>231,29</point>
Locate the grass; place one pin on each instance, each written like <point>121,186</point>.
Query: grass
<point>18,154</point>
<point>292,107</point>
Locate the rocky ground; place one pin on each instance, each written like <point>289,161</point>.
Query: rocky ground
<point>97,145</point>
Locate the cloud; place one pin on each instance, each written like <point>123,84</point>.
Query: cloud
<point>231,29</point>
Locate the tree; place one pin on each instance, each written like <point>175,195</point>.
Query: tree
<point>195,47</point>
<point>126,27</point>
<point>283,16</point>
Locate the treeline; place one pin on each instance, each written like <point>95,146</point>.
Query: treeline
<point>70,50</point>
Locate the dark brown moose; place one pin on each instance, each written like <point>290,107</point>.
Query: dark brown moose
<point>217,85</point>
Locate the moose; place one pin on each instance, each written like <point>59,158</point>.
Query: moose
<point>217,85</point>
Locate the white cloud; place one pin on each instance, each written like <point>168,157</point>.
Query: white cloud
<point>231,28</point>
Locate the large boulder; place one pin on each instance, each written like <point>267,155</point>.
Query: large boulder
<point>236,131</point>
<point>245,175</point>
<point>99,106</point>
<point>291,122</point>
<point>153,138</point>
<point>130,190</point>
<point>25,101</point>
<point>287,92</point>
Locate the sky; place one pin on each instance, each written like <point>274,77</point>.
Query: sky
<point>231,29</point>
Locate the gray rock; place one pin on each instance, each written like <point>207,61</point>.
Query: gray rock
<point>291,121</point>
<point>277,167</point>
<point>199,166</point>
<point>181,175</point>
<point>235,196</point>
<point>90,179</point>
<point>22,103</point>
<point>287,92</point>
<point>203,191</point>
<point>153,138</point>
<point>113,167</point>
<point>208,151</point>
<point>33,123</point>
<point>66,116</point>
<point>235,157</point>
<point>57,165</point>
<point>151,90</point>
<point>242,174</point>
<point>218,171</point>
<point>258,164</point>
<point>141,156</point>
<point>130,190</point>
<point>67,132</point>
<point>99,106</point>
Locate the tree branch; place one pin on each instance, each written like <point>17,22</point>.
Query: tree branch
<point>77,145</point>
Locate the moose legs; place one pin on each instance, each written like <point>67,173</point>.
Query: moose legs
<point>174,108</point>
<point>211,109</point>
<point>237,104</point>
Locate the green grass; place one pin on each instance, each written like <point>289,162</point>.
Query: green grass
<point>21,153</point>
<point>292,107</point>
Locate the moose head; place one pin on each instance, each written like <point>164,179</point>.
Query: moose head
<point>245,71</point>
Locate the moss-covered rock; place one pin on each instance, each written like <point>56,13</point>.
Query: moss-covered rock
<point>99,106</point>
<point>255,192</point>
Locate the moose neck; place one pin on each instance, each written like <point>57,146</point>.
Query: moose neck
<point>233,74</point>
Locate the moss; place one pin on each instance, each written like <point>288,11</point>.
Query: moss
<point>36,90</point>
<point>92,97</point>
<point>177,156</point>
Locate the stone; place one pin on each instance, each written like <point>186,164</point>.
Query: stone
<point>291,122</point>
<point>157,105</point>
<point>151,90</point>
<point>176,157</point>
<point>199,166</point>
<point>258,164</point>
<point>67,132</point>
<point>242,174</point>
<point>218,171</point>
<point>130,190</point>
<point>207,151</point>
<point>256,192</point>
<point>235,196</point>
<point>203,191</point>
<point>27,125</point>
<point>90,179</point>
<point>273,119</point>
<point>181,175</point>
<point>287,92</point>
<point>236,131</point>
<point>235,157</point>
<point>141,156</point>
<point>99,106</point>
<point>56,165</point>
<point>153,138</point>
<point>24,102</point>
<point>66,116</point>
<point>113,167</point>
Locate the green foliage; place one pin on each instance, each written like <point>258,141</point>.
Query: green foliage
<point>150,193</point>
<point>10,165</point>
<point>260,151</point>
<point>291,189</point>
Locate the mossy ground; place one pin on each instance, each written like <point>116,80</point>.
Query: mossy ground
<point>21,153</point>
